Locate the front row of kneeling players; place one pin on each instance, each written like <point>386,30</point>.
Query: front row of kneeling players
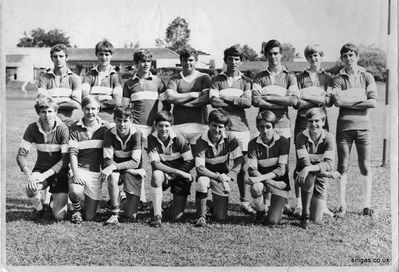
<point>98,153</point>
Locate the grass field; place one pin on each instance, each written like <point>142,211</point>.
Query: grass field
<point>335,242</point>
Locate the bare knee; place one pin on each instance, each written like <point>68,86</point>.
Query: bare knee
<point>157,178</point>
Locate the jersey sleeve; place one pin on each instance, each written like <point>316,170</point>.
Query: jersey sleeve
<point>134,162</point>
<point>328,157</point>
<point>301,151</point>
<point>63,141</point>
<point>371,87</point>
<point>253,159</point>
<point>24,148</point>
<point>187,155</point>
<point>284,149</point>
<point>172,84</point>
<point>73,144</point>
<point>214,88</point>
<point>199,153</point>
<point>108,149</point>
<point>153,152</point>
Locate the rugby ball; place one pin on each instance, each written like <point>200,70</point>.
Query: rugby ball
<point>231,92</point>
<point>274,90</point>
<point>100,90</point>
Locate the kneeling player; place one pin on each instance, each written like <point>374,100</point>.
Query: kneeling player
<point>50,136</point>
<point>268,169</point>
<point>171,160</point>
<point>86,155</point>
<point>315,150</point>
<point>214,149</point>
<point>122,155</point>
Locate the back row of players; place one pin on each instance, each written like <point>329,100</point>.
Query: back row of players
<point>215,139</point>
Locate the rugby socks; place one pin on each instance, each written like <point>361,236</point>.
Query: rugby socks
<point>306,199</point>
<point>258,204</point>
<point>367,185</point>
<point>76,206</point>
<point>37,202</point>
<point>200,203</point>
<point>342,191</point>
<point>143,198</point>
<point>156,195</point>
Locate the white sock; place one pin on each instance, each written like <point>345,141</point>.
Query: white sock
<point>326,210</point>
<point>368,184</point>
<point>46,195</point>
<point>156,195</point>
<point>299,202</point>
<point>258,204</point>
<point>342,190</point>
<point>37,202</point>
<point>143,198</point>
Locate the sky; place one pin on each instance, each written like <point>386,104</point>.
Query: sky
<point>215,24</point>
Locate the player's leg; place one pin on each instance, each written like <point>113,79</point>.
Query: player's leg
<point>318,203</point>
<point>257,191</point>
<point>220,201</point>
<point>36,199</point>
<point>300,125</point>
<point>201,195</point>
<point>90,208</point>
<point>344,146</point>
<point>93,192</point>
<point>157,178</point>
<point>59,207</point>
<point>275,212</point>
<point>113,192</point>
<point>180,190</point>
<point>307,192</point>
<point>76,194</point>
<point>132,187</point>
<point>363,148</point>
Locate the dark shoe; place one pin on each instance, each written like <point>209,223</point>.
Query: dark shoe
<point>304,222</point>
<point>156,221</point>
<point>246,207</point>
<point>113,220</point>
<point>201,222</point>
<point>35,215</point>
<point>259,217</point>
<point>368,211</point>
<point>340,213</point>
<point>76,217</point>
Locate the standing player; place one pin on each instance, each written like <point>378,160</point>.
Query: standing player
<point>314,91</point>
<point>50,136</point>
<point>122,157</point>
<point>142,94</point>
<point>231,90</point>
<point>214,149</point>
<point>61,84</point>
<point>355,92</point>
<point>268,169</point>
<point>315,151</point>
<point>274,89</point>
<point>189,93</point>
<point>171,160</point>
<point>103,81</point>
<point>86,156</point>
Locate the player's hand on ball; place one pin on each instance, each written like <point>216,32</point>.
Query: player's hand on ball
<point>78,180</point>
<point>336,175</point>
<point>33,186</point>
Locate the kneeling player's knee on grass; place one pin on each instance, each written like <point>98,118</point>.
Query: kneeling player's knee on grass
<point>203,184</point>
<point>257,189</point>
<point>59,214</point>
<point>157,178</point>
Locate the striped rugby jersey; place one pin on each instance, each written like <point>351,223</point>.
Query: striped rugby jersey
<point>263,159</point>
<point>216,157</point>
<point>283,79</point>
<point>242,98</point>
<point>67,86</point>
<point>176,154</point>
<point>144,97</point>
<point>181,113</point>
<point>125,155</point>
<point>50,146</point>
<point>308,152</point>
<point>87,145</point>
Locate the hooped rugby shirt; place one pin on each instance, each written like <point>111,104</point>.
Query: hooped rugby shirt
<point>123,154</point>
<point>263,159</point>
<point>50,146</point>
<point>176,154</point>
<point>242,98</point>
<point>87,145</point>
<point>216,157</point>
<point>144,97</point>
<point>180,84</point>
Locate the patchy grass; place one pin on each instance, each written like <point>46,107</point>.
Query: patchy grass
<point>336,242</point>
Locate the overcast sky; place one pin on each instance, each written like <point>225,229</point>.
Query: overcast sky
<point>214,24</point>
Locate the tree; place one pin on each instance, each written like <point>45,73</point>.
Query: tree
<point>373,60</point>
<point>40,38</point>
<point>159,43</point>
<point>248,54</point>
<point>177,34</point>
<point>132,45</point>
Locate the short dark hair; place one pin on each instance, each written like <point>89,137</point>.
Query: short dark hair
<point>123,112</point>
<point>233,51</point>
<point>271,44</point>
<point>43,102</point>
<point>142,55</point>
<point>267,116</point>
<point>104,46</point>
<point>186,52</point>
<point>349,47</point>
<point>219,116</point>
<point>59,47</point>
<point>88,100</point>
<point>313,111</point>
<point>311,49</point>
<point>163,116</point>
